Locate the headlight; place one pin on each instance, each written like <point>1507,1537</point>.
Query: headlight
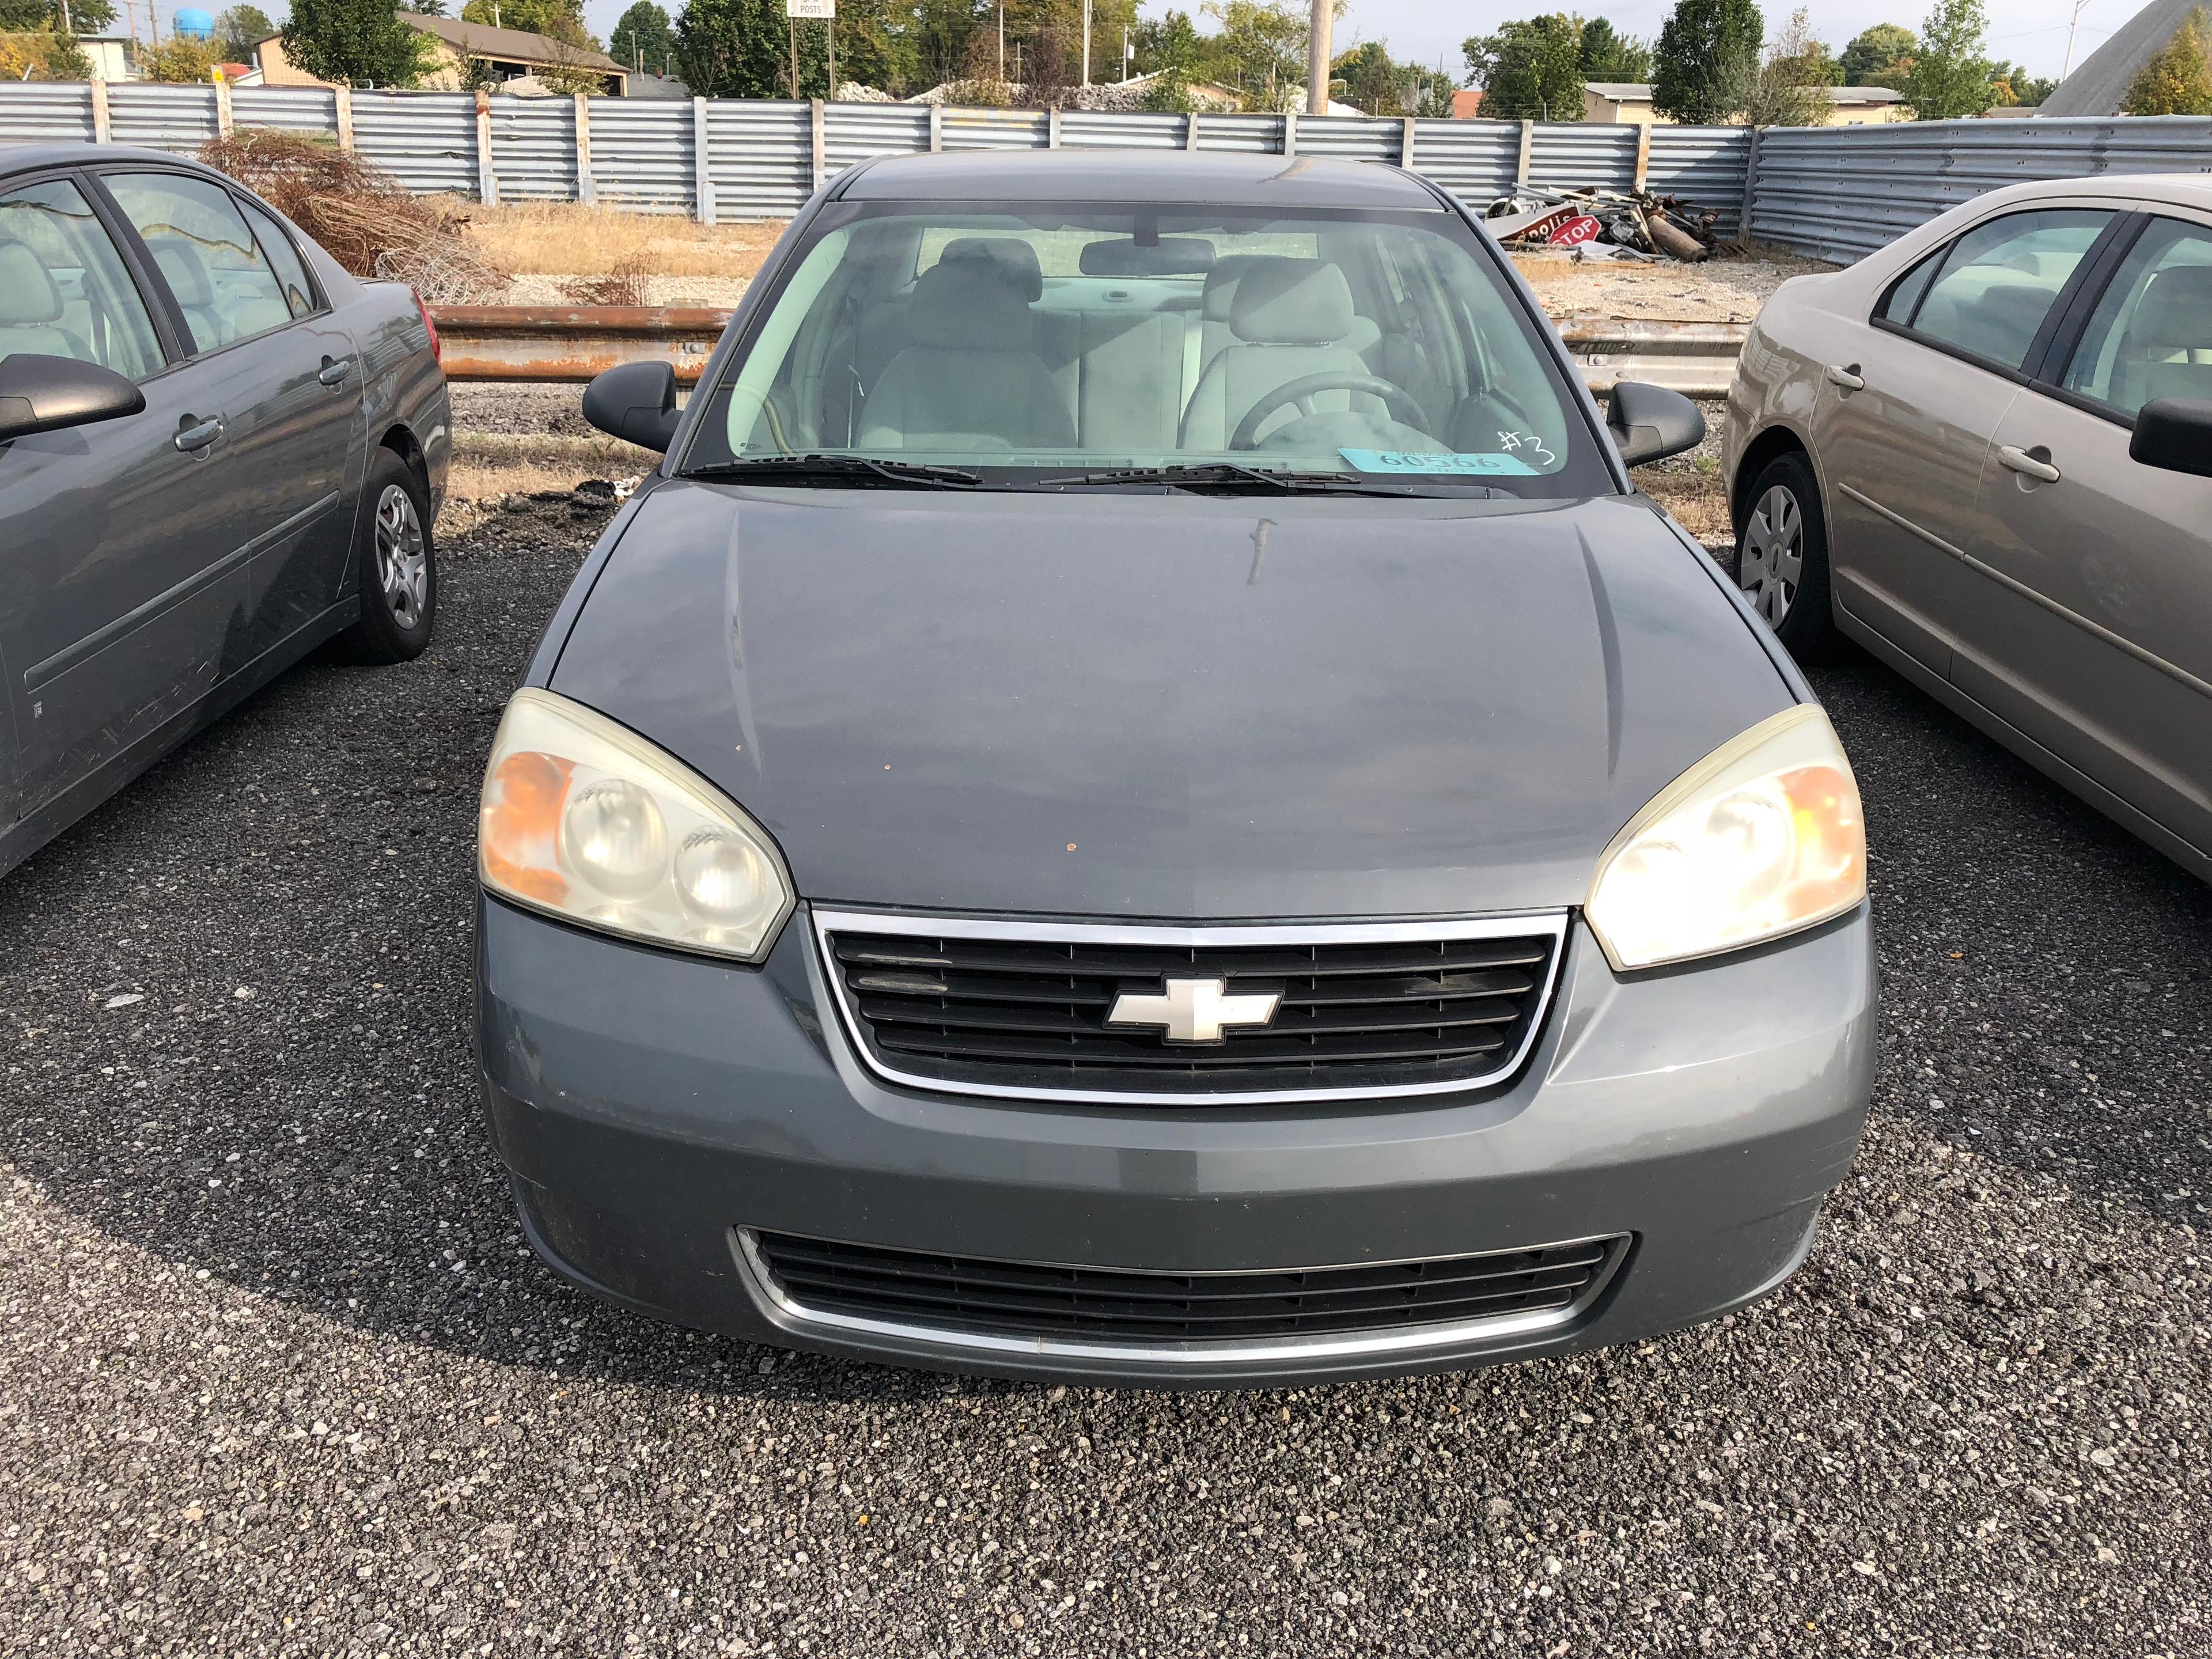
<point>584,819</point>
<point>1760,838</point>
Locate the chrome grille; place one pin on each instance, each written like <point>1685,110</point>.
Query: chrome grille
<point>1022,1008</point>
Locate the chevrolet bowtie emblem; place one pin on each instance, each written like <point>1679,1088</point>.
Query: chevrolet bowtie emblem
<point>1193,1010</point>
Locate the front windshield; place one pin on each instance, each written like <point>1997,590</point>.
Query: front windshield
<point>1031,347</point>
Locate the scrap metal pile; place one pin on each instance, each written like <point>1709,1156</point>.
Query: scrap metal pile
<point>1604,224</point>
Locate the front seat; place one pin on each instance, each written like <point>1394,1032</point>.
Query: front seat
<point>187,274</point>
<point>2167,351</point>
<point>31,307</point>
<point>971,379</point>
<point>1290,318</point>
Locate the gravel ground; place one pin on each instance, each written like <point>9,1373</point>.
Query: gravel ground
<point>1726,290</point>
<point>277,1376</point>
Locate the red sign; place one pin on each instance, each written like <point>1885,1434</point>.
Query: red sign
<point>1576,231</point>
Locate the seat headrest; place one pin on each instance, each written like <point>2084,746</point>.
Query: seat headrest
<point>1016,262</point>
<point>183,268</point>
<point>1292,302</point>
<point>28,293</point>
<point>1221,283</point>
<point>974,303</point>
<point>2176,309</point>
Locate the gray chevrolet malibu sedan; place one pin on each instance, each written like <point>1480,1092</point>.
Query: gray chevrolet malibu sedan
<point>218,450</point>
<point>1140,798</point>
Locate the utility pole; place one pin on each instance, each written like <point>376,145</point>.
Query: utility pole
<point>1002,42</point>
<point>1086,42</point>
<point>1317,55</point>
<point>2066,68</point>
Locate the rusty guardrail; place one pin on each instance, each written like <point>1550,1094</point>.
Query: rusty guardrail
<point>573,342</point>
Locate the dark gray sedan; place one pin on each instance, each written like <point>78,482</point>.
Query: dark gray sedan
<point>217,451</point>
<point>1141,798</point>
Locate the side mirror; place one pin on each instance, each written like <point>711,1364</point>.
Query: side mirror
<point>1650,423</point>
<point>39,393</point>
<point>2175,434</point>
<point>636,403</point>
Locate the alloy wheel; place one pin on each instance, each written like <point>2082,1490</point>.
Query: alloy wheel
<point>402,565</point>
<point>1773,558</point>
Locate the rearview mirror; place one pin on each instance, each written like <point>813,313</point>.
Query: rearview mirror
<point>39,393</point>
<point>1650,423</point>
<point>2175,434</point>
<point>636,403</point>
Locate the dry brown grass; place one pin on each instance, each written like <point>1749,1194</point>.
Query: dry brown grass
<point>1694,498</point>
<point>568,238</point>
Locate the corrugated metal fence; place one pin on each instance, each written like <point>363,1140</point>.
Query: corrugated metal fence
<point>728,159</point>
<point>1841,192</point>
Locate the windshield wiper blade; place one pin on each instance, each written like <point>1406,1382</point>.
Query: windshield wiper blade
<point>1201,474</point>
<point>842,467</point>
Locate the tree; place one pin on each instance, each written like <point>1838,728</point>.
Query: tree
<point>2016,86</point>
<point>1529,71</point>
<point>25,17</point>
<point>643,38</point>
<point>557,19</point>
<point>1880,56</point>
<point>1372,82</point>
<point>1787,92</point>
<point>733,49</point>
<point>1169,41</point>
<point>1260,48</point>
<point>2178,80</point>
<point>1950,78</point>
<point>1707,57</point>
<point>357,42</point>
<point>424,8</point>
<point>1606,54</point>
<point>177,60</point>
<point>238,30</point>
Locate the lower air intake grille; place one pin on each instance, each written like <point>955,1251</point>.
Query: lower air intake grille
<point>957,1293</point>
<point>1368,1010</point>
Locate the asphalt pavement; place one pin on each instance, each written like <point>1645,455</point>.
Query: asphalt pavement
<point>278,1376</point>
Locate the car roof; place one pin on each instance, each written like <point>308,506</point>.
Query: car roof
<point>16,158</point>
<point>2184,189</point>
<point>1210,178</point>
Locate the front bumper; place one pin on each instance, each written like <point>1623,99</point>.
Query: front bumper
<point>651,1107</point>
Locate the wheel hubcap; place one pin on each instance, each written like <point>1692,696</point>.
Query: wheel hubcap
<point>1772,561</point>
<point>402,566</point>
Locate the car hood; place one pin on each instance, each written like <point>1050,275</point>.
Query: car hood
<point>1170,705</point>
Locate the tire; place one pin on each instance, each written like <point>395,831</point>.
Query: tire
<point>1781,555</point>
<point>398,566</point>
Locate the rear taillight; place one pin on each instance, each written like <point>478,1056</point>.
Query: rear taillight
<point>437,351</point>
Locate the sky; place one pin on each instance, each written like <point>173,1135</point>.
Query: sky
<point>2029,32</point>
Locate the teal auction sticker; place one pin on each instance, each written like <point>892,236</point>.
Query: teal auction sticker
<point>1436,461</point>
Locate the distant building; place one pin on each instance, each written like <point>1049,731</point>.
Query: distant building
<point>1626,103</point>
<point>115,57</point>
<point>514,56</point>
<point>1466,104</point>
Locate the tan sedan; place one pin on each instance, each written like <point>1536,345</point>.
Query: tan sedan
<point>1985,454</point>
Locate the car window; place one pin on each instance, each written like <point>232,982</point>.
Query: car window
<point>1997,281</point>
<point>1904,296</point>
<point>64,291</point>
<point>1029,340</point>
<point>2151,334</point>
<point>284,259</point>
<point>209,257</point>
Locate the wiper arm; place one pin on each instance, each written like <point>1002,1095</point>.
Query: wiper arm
<point>1199,474</point>
<point>921,473</point>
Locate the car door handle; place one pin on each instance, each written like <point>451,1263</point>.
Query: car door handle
<point>1849,379</point>
<point>335,370</point>
<point>2019,460</point>
<point>191,436</point>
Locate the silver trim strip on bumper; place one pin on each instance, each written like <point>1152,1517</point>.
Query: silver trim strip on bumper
<point>801,1319</point>
<point>913,925</point>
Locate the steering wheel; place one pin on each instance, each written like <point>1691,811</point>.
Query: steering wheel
<point>1396,397</point>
